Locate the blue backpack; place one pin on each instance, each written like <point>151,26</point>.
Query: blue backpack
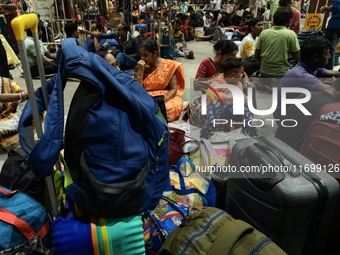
<point>116,139</point>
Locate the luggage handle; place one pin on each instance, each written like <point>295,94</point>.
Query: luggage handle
<point>262,180</point>
<point>19,25</point>
<point>284,161</point>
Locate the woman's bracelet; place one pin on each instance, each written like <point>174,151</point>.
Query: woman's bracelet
<point>20,96</point>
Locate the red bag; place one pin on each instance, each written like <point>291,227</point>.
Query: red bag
<point>176,141</point>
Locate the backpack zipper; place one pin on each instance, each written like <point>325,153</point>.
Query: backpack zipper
<point>208,224</point>
<point>259,245</point>
<point>160,143</point>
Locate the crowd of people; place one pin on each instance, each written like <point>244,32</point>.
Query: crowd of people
<point>273,57</point>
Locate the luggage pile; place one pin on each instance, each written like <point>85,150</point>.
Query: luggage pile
<point>114,167</point>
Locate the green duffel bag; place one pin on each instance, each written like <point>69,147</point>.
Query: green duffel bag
<point>212,231</point>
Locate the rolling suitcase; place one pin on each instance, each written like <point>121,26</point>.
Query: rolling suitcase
<point>322,141</point>
<point>322,146</point>
<point>292,204</point>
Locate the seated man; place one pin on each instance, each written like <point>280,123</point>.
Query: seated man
<point>50,67</point>
<point>93,43</point>
<point>274,45</point>
<point>128,45</point>
<point>196,18</point>
<point>314,57</point>
<point>246,49</point>
<point>218,33</point>
<point>294,136</point>
<point>71,30</point>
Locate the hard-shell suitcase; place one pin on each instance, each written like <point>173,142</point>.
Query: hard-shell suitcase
<point>292,205</point>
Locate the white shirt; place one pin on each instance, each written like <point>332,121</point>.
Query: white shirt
<point>217,4</point>
<point>149,6</point>
<point>31,54</point>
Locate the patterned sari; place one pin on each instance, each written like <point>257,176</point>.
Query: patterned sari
<point>206,69</point>
<point>157,83</point>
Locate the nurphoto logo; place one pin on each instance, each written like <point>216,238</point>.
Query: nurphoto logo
<point>239,99</point>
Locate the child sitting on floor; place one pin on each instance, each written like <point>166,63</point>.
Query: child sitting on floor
<point>232,74</point>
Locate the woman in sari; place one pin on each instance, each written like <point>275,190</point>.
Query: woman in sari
<point>161,77</point>
<point>208,70</point>
<point>210,67</point>
<point>11,106</point>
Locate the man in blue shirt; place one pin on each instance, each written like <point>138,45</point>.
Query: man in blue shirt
<point>93,43</point>
<point>128,55</point>
<point>332,32</point>
<point>314,55</point>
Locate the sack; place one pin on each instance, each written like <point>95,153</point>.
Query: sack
<point>21,219</point>
<point>166,217</point>
<point>16,175</point>
<point>194,189</point>
<point>116,139</point>
<point>212,231</point>
<point>91,235</point>
<point>211,156</point>
<point>12,58</point>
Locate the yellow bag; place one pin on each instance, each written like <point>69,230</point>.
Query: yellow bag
<point>11,57</point>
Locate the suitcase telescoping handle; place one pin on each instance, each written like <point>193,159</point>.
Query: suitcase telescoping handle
<point>19,25</point>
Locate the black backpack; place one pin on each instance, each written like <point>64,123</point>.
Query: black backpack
<point>15,174</point>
